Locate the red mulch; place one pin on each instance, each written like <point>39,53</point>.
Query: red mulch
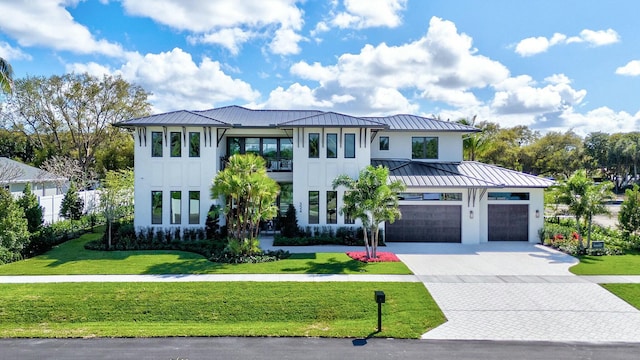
<point>382,257</point>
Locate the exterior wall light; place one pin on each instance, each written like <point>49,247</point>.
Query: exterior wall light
<point>537,213</point>
<point>470,214</point>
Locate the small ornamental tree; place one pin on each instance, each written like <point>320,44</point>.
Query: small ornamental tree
<point>289,225</point>
<point>116,197</point>
<point>32,209</point>
<point>14,234</point>
<point>249,193</point>
<point>373,199</point>
<point>72,206</point>
<point>629,215</point>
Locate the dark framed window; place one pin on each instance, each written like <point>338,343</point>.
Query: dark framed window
<point>286,148</point>
<point>194,144</point>
<point>156,144</point>
<point>156,207</point>
<point>314,207</point>
<point>176,144</point>
<point>384,143</point>
<point>252,146</point>
<point>349,146</point>
<point>423,147</point>
<point>332,146</point>
<point>314,145</point>
<point>235,146</point>
<point>175,207</point>
<point>194,207</point>
<point>332,207</point>
<point>430,196</point>
<point>507,196</point>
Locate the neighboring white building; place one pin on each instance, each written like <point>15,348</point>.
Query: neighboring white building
<point>177,155</point>
<point>14,176</point>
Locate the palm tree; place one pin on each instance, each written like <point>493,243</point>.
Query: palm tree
<point>584,200</point>
<point>250,194</point>
<point>372,199</point>
<point>6,77</point>
<point>475,143</point>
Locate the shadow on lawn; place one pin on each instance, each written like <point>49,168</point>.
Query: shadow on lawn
<point>331,266</point>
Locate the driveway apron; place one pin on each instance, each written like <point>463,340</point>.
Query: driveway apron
<point>516,291</point>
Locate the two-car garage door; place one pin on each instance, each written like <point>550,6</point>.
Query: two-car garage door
<point>443,223</point>
<point>426,223</point>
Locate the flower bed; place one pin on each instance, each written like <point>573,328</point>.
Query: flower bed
<point>382,256</point>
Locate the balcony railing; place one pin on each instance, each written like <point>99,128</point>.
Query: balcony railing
<point>283,165</point>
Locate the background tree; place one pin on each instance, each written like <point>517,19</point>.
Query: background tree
<point>629,215</point>
<point>9,171</point>
<point>14,234</point>
<point>72,205</point>
<point>32,209</point>
<point>6,76</point>
<point>372,199</point>
<point>554,154</point>
<point>473,144</point>
<point>73,112</point>
<point>68,170</point>
<point>249,193</point>
<point>116,197</point>
<point>583,199</point>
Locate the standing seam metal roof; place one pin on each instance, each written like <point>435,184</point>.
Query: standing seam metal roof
<point>462,174</point>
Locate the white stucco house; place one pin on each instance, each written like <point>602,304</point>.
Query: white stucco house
<point>177,154</point>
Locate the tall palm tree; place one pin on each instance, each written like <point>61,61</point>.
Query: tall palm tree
<point>475,143</point>
<point>372,199</point>
<point>6,77</point>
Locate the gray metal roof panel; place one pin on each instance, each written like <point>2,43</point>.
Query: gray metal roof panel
<point>27,173</point>
<point>463,174</point>
<point>248,117</point>
<point>179,118</point>
<point>414,122</point>
<point>332,119</point>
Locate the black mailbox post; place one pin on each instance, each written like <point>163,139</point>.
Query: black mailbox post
<point>380,299</point>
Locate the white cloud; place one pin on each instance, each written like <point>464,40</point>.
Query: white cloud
<point>230,38</point>
<point>296,96</point>
<point>10,53</point>
<point>91,68</point>
<point>631,69</point>
<point>24,21</point>
<point>315,71</point>
<point>176,81</point>
<point>536,45</point>
<point>228,23</point>
<point>360,14</point>
<point>601,119</point>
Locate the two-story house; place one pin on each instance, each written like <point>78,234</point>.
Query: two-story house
<point>177,155</point>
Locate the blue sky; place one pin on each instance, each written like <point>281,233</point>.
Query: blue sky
<point>551,65</point>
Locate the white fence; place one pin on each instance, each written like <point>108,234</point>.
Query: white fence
<point>51,204</point>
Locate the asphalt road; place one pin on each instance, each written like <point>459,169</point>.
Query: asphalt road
<point>305,348</point>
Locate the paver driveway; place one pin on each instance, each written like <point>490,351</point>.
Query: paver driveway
<point>516,291</point>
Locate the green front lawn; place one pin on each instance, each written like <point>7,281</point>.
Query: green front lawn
<point>72,258</point>
<point>333,309</point>
<point>628,264</point>
<point>627,292</point>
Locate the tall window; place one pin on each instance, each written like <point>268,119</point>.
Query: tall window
<point>156,207</point>
<point>332,146</point>
<point>384,143</point>
<point>176,207</point>
<point>235,146</point>
<point>314,207</point>
<point>194,207</point>
<point>424,147</point>
<point>332,207</point>
<point>156,144</point>
<point>176,144</point>
<point>314,145</point>
<point>252,146</point>
<point>349,146</point>
<point>194,144</point>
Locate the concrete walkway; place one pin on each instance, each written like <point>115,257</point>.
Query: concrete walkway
<point>494,291</point>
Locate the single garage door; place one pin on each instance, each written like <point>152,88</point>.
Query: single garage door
<point>508,222</point>
<point>426,223</point>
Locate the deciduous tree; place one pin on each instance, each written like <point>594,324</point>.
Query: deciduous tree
<point>116,197</point>
<point>14,234</point>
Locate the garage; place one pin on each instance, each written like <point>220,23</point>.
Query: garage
<point>508,222</point>
<point>426,223</point>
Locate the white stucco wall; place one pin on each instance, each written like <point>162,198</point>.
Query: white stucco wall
<point>449,145</point>
<point>168,174</point>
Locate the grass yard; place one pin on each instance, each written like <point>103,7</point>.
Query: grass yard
<point>72,258</point>
<point>627,292</point>
<point>628,264</point>
<point>214,309</point>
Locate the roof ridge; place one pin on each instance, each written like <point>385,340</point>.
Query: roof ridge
<point>457,173</point>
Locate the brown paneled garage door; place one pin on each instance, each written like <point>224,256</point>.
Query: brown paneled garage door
<point>426,223</point>
<point>508,222</point>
